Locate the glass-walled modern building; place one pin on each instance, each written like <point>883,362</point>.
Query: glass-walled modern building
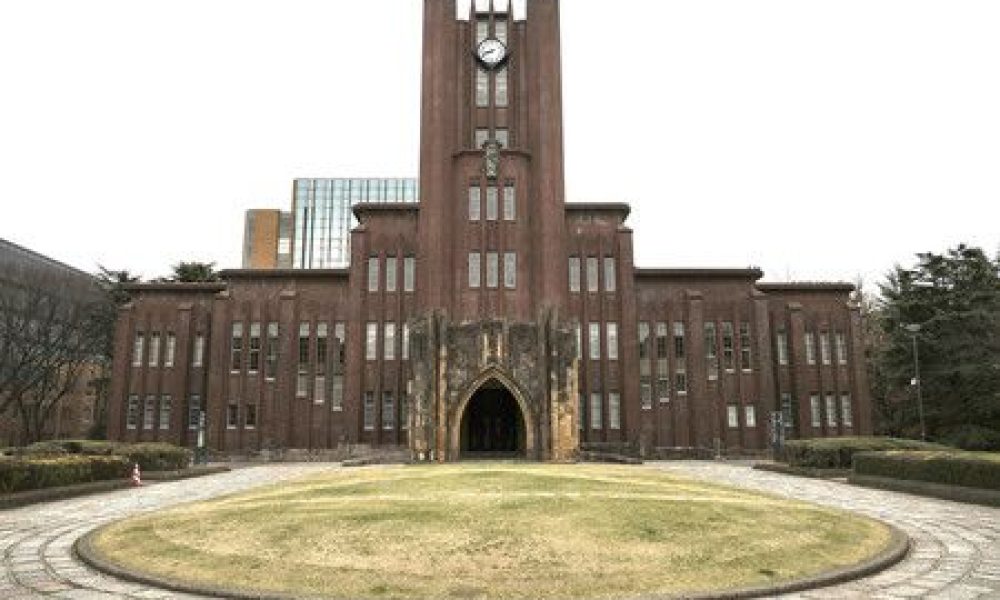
<point>323,217</point>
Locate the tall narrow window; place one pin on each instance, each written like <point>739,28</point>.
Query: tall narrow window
<point>390,273</point>
<point>154,350</point>
<point>582,407</point>
<point>132,413</point>
<point>271,362</point>
<point>475,276</point>
<point>500,31</point>
<point>751,415</point>
<point>389,341</point>
<point>592,274</point>
<point>501,87</point>
<point>614,411</point>
<point>233,416</point>
<point>482,88</point>
<point>373,275</point>
<point>662,349</point>
<point>369,411</point>
<point>340,332</point>
<point>579,340</point>
<point>149,412</point>
<point>137,349</point>
<point>824,347</point>
<point>510,270</point>
<point>337,393</point>
<point>679,341</point>
<point>733,416</point>
<point>482,136</point>
<point>645,362</point>
<point>475,203</point>
<point>482,30</point>
<point>596,411</point>
<point>831,410</point>
<point>371,342</point>
<point>787,411</point>
<point>404,413</point>
<point>728,347</point>
<point>502,137</point>
<point>250,418</point>
<point>236,353</point>
<point>646,393</point>
<point>322,355</point>
<point>815,411</point>
<point>595,341</point>
<point>492,203</point>
<point>388,412</point>
<point>405,350</point>
<point>612,341</point>
<point>745,347</point>
<point>302,381</point>
<point>409,274</point>
<point>198,353</point>
<point>254,356</point>
<point>194,412</point>
<point>168,360</point>
<point>711,350</point>
<point>509,202</point>
<point>846,414</point>
<point>680,382</point>
<point>810,348</point>
<point>492,270</point>
<point>841,350</point>
<point>610,276</point>
<point>574,274</point>
<point>166,407</point>
<point>782,341</point>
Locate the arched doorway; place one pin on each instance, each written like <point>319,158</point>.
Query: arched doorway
<point>492,425</point>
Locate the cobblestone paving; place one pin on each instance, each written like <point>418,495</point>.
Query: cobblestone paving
<point>36,542</point>
<point>956,552</point>
<point>956,547</point>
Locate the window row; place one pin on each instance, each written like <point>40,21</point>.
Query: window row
<point>235,417</point>
<point>835,413</point>
<point>249,349</point>
<point>594,341</point>
<point>492,202</point>
<point>593,264</point>
<point>492,260</point>
<point>749,416</point>
<point>826,352</point>
<point>596,411</point>
<point>392,273</point>
<point>156,412</point>
<point>388,412</point>
<point>500,135</point>
<point>164,347</point>
<point>726,333</point>
<point>395,341</point>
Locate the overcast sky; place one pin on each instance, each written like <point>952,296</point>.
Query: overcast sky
<point>816,139</point>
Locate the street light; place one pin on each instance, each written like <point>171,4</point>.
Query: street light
<point>914,329</point>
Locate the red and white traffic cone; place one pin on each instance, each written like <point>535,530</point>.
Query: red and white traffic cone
<point>136,476</point>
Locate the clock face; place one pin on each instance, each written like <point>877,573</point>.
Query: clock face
<point>492,53</point>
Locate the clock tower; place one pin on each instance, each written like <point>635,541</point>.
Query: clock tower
<point>492,230</point>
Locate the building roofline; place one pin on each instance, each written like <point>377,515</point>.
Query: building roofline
<point>173,286</point>
<point>613,207</point>
<point>723,273</point>
<point>283,273</point>
<point>370,207</point>
<point>46,259</point>
<point>807,286</point>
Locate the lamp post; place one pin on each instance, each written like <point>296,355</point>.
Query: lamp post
<point>914,329</point>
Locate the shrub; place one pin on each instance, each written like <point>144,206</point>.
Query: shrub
<point>972,437</point>
<point>156,456</point>
<point>837,453</point>
<point>38,472</point>
<point>45,449</point>
<point>967,469</point>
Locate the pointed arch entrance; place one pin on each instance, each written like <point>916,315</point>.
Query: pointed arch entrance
<point>493,422</point>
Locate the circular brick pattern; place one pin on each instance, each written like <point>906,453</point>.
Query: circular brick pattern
<point>956,547</point>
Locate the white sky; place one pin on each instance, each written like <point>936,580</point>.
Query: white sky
<point>816,139</point>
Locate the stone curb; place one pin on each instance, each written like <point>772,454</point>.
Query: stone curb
<point>27,498</point>
<point>898,548</point>
<point>954,493</point>
<point>810,472</point>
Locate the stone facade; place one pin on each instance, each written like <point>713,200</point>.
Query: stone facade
<point>492,316</point>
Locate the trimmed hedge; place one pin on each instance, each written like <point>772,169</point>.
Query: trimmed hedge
<point>149,456</point>
<point>837,453</point>
<point>32,473</point>
<point>966,469</point>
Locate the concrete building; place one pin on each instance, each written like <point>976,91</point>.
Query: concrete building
<point>492,317</point>
<point>267,239</point>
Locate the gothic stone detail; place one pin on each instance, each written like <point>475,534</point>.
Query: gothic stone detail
<point>536,362</point>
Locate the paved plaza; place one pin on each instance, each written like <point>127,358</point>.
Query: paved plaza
<point>956,551</point>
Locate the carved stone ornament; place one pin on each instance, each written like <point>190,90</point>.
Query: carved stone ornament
<point>491,159</point>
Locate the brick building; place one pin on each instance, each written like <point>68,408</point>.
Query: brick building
<point>492,316</point>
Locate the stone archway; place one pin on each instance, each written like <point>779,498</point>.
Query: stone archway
<point>493,420</point>
<point>492,425</point>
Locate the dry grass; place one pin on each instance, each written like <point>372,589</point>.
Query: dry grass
<point>493,530</point>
